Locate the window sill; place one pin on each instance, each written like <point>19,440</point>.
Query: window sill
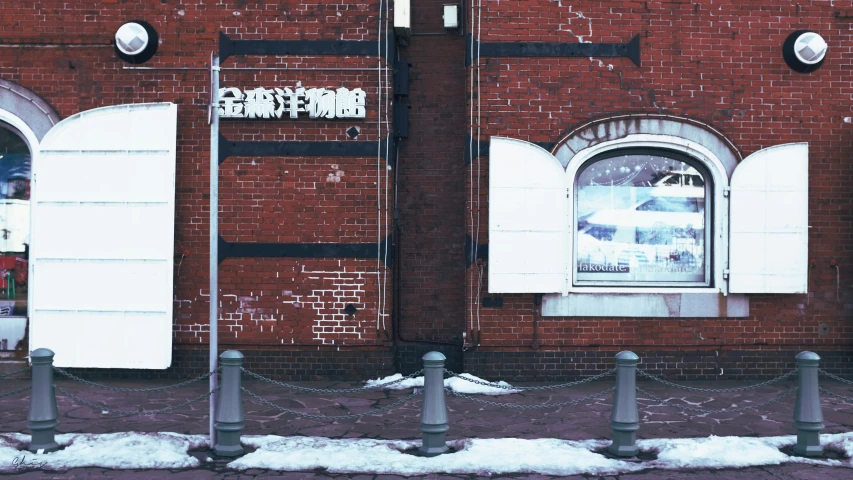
<point>645,302</point>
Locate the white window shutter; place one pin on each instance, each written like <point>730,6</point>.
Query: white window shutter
<point>768,239</point>
<point>527,219</point>
<point>103,211</point>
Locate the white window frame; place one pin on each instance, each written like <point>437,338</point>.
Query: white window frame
<point>708,215</point>
<point>718,251</point>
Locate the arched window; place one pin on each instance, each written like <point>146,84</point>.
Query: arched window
<point>641,217</point>
<point>15,164</point>
<point>646,216</point>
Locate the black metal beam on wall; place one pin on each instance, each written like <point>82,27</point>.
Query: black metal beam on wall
<point>229,47</point>
<point>228,148</point>
<point>630,49</point>
<point>308,250</point>
<point>481,148</point>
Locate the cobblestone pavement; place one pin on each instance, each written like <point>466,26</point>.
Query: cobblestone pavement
<point>467,419</point>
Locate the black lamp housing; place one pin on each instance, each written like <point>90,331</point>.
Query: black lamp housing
<point>147,52</point>
<point>795,61</point>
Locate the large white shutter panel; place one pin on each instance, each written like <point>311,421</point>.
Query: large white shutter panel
<point>768,244</point>
<point>103,238</point>
<point>527,219</point>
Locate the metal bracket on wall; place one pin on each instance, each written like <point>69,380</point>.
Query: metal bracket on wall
<point>630,49</point>
<point>481,148</point>
<point>306,250</point>
<point>228,47</point>
<point>228,148</point>
<point>482,251</point>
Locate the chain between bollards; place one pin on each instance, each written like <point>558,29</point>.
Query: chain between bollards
<point>42,419</point>
<point>229,406</point>
<point>434,415</point>
<point>808,417</point>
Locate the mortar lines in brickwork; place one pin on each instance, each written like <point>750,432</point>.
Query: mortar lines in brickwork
<point>344,288</point>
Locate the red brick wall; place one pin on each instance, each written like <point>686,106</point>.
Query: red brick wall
<point>63,52</point>
<point>720,64</point>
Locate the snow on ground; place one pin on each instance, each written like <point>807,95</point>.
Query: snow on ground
<point>545,456</point>
<point>110,450</point>
<point>456,384</point>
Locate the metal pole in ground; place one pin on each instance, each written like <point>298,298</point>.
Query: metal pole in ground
<point>42,419</point>
<point>624,419</point>
<point>229,413</point>
<point>213,112</point>
<point>808,417</point>
<point>434,413</point>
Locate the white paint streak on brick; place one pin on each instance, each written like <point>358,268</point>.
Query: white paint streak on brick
<point>342,288</point>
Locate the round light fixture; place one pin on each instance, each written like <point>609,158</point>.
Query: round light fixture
<point>804,51</point>
<point>136,41</point>
<point>131,38</point>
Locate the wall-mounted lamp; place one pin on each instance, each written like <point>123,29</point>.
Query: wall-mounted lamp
<point>136,41</point>
<point>804,51</point>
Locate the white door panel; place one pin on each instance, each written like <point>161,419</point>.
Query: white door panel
<point>768,237</point>
<point>527,208</point>
<point>103,210</point>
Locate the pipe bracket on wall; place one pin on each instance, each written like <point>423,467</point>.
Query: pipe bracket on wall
<point>482,251</point>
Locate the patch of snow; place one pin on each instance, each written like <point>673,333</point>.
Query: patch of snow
<point>546,456</point>
<point>110,450</point>
<point>456,384</point>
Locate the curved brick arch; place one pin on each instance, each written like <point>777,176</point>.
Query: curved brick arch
<point>29,107</point>
<point>614,128</point>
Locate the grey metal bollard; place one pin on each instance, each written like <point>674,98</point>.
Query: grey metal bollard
<point>624,419</point>
<point>808,417</point>
<point>434,413</point>
<point>229,406</point>
<point>42,419</point>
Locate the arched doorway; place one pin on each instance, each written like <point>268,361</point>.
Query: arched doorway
<point>15,175</point>
<point>24,120</point>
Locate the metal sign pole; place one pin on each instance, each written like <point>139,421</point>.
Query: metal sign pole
<point>213,118</point>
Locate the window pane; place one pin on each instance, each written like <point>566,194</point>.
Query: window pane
<point>640,218</point>
<point>14,234</point>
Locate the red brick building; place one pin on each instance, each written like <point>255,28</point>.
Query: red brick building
<point>428,212</point>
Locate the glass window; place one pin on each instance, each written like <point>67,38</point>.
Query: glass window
<point>641,218</point>
<point>15,164</point>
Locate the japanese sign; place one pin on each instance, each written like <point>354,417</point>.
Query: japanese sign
<point>264,103</point>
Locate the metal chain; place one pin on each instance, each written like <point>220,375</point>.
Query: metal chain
<point>328,390</point>
<point>384,409</point>
<point>723,410</point>
<point>716,390</point>
<point>127,413</point>
<point>15,372</point>
<point>846,399</point>
<point>545,387</point>
<point>120,389</point>
<point>532,407</point>
<point>835,377</point>
<point>14,392</point>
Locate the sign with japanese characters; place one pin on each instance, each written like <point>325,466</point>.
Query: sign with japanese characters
<point>277,103</point>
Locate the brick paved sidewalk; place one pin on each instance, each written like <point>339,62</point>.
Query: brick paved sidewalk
<point>467,419</point>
